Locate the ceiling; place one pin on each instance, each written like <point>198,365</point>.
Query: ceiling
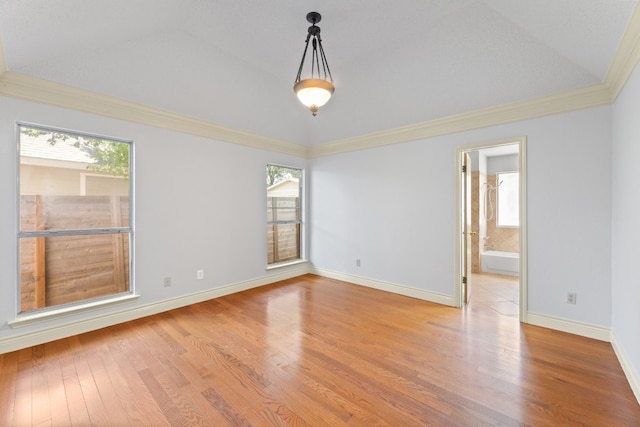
<point>233,62</point>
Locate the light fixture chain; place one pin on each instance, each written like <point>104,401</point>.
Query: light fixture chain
<point>304,54</point>
<point>315,63</point>
<point>325,64</point>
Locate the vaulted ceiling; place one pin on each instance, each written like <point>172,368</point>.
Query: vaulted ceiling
<point>233,62</point>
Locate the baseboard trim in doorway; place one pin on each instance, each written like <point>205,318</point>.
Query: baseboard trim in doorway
<point>627,368</point>
<point>570,326</point>
<point>388,287</point>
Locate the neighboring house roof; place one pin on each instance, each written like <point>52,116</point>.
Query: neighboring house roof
<point>40,147</point>
<point>285,188</point>
<point>281,183</point>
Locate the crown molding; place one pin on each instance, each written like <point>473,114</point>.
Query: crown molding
<point>30,88</point>
<point>571,100</point>
<point>626,57</point>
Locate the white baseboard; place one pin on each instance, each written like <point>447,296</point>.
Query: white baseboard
<point>388,287</point>
<point>570,326</point>
<point>629,371</point>
<point>41,336</point>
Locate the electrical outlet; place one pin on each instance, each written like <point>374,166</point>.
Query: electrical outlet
<point>167,281</point>
<point>200,274</point>
<point>572,298</point>
<point>358,262</point>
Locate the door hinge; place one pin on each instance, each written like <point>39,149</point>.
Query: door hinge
<point>464,280</point>
<point>464,168</point>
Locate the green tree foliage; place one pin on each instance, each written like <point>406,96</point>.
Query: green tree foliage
<point>276,174</point>
<point>110,157</point>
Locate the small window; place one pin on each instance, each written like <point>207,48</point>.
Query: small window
<point>508,199</point>
<point>75,231</point>
<point>284,214</point>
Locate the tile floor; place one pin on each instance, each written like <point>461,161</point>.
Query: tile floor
<point>494,294</point>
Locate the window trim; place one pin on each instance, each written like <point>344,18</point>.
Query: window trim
<point>23,318</point>
<point>61,311</point>
<point>302,257</point>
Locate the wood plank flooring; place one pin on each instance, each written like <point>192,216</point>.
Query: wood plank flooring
<point>312,351</point>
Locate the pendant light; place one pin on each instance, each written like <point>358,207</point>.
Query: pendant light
<point>315,91</point>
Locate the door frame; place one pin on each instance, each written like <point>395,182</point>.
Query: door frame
<point>459,225</point>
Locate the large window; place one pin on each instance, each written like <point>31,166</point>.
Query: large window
<point>75,231</point>
<point>508,199</point>
<point>284,218</point>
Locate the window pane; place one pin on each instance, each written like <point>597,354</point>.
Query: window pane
<point>283,209</point>
<point>75,221</point>
<point>65,269</point>
<point>508,199</point>
<point>283,242</point>
<point>73,212</point>
<point>60,163</point>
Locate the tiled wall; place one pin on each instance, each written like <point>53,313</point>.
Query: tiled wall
<point>499,239</point>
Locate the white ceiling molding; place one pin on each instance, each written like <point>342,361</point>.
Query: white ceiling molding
<point>29,88</point>
<point>22,86</point>
<point>590,96</point>
<point>626,57</point>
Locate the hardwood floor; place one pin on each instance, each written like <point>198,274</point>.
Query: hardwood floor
<point>315,351</point>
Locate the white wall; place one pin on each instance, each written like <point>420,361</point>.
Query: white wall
<point>626,218</point>
<point>393,207</point>
<point>200,204</point>
<point>508,163</point>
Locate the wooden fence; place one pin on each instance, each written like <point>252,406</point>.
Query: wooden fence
<point>283,240</point>
<point>63,269</point>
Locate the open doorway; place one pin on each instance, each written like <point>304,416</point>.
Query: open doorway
<point>491,227</point>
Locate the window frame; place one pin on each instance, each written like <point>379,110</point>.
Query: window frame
<point>60,310</point>
<point>498,198</point>
<point>300,222</point>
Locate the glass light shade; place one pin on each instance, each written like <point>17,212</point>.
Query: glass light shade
<point>314,92</point>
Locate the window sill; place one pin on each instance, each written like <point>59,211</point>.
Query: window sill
<point>286,264</point>
<point>45,316</point>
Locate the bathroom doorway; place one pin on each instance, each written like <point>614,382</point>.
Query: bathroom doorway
<point>491,227</point>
